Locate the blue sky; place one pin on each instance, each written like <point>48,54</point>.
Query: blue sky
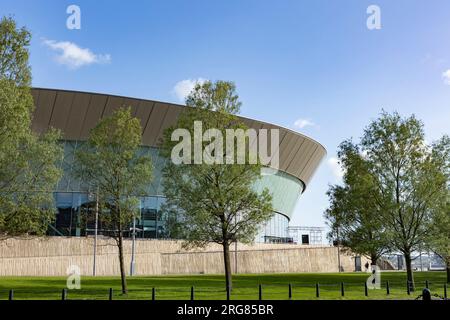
<point>312,66</point>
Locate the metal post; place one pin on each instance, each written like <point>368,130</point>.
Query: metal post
<point>95,235</point>
<point>317,290</point>
<point>141,219</point>
<point>235,258</point>
<point>110,294</point>
<point>235,249</point>
<point>366,290</point>
<point>156,224</point>
<point>388,290</point>
<point>429,260</point>
<point>192,293</point>
<point>339,251</point>
<point>153,294</point>
<point>11,295</point>
<point>445,290</point>
<point>64,294</point>
<point>421,264</point>
<point>426,294</point>
<point>290,291</point>
<point>260,292</point>
<point>342,289</point>
<point>133,245</point>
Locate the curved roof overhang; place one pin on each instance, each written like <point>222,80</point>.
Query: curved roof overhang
<point>76,113</point>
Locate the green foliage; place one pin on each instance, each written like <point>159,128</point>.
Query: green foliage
<point>14,53</point>
<point>213,201</point>
<point>409,181</point>
<point>28,163</point>
<point>112,166</point>
<point>403,179</point>
<point>354,214</point>
<point>216,202</point>
<point>439,235</point>
<point>110,163</point>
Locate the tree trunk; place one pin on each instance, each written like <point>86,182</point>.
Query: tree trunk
<point>226,260</point>
<point>122,265</point>
<point>447,263</point>
<point>409,271</point>
<point>373,259</point>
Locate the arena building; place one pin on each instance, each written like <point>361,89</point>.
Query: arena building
<point>76,113</point>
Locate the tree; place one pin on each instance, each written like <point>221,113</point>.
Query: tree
<point>214,201</point>
<point>409,183</point>
<point>354,214</point>
<point>14,53</point>
<point>111,163</point>
<point>28,163</point>
<point>439,236</point>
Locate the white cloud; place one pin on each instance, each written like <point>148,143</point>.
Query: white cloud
<point>184,87</point>
<point>446,76</point>
<point>73,56</point>
<point>302,123</point>
<point>336,169</point>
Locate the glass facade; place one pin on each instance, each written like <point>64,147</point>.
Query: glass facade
<point>76,204</point>
<point>285,189</point>
<point>275,230</point>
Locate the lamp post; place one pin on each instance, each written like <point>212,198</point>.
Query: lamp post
<point>133,241</point>
<point>133,248</point>
<point>95,234</point>
<point>235,248</point>
<point>420,257</point>
<point>338,250</point>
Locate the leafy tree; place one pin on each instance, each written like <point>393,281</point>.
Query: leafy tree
<point>408,180</point>
<point>14,53</point>
<point>28,163</point>
<point>354,214</point>
<point>439,239</point>
<point>110,163</point>
<point>215,202</point>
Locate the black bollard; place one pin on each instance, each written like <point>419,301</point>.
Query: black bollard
<point>192,293</point>
<point>110,293</point>
<point>11,295</point>
<point>290,291</point>
<point>260,292</point>
<point>366,290</point>
<point>342,289</point>
<point>388,290</point>
<point>317,290</point>
<point>445,290</point>
<point>64,294</point>
<point>426,294</point>
<point>153,294</point>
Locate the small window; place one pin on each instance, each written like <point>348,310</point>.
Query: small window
<point>305,238</point>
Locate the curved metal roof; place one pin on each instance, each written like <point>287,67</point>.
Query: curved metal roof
<point>76,113</point>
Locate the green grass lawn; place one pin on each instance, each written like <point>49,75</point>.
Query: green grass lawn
<point>209,287</point>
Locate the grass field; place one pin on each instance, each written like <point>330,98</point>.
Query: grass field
<point>209,287</point>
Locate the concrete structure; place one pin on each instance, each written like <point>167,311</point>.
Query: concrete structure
<point>76,113</point>
<point>52,256</point>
